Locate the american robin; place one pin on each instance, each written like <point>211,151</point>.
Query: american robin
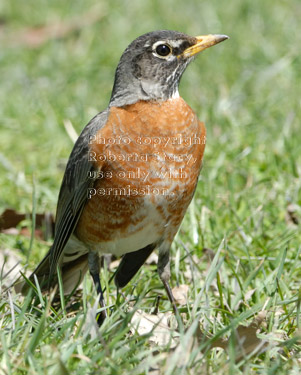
<point>133,170</point>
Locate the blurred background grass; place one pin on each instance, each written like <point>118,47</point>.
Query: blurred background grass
<point>246,90</point>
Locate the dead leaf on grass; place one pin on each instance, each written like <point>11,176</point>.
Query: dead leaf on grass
<point>158,325</point>
<point>181,293</point>
<point>10,219</point>
<point>34,37</point>
<point>247,341</point>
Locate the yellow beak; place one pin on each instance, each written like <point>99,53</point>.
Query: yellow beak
<point>203,42</point>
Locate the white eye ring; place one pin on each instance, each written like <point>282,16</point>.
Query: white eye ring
<point>162,49</point>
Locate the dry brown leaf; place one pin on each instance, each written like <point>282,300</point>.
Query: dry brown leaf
<point>158,324</point>
<point>34,37</point>
<point>9,219</point>
<point>181,293</point>
<point>247,341</point>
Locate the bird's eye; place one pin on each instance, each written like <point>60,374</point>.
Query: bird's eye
<point>163,50</point>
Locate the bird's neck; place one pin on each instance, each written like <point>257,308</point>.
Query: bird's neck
<point>142,90</point>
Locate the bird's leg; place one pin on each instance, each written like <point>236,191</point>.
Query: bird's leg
<point>164,273</point>
<point>94,268</point>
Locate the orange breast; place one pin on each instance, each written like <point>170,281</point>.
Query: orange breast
<point>149,156</point>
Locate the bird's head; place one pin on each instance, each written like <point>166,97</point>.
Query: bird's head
<point>152,65</point>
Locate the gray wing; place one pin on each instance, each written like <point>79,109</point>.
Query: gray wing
<point>73,192</point>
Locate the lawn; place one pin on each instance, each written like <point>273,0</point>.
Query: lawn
<point>238,249</point>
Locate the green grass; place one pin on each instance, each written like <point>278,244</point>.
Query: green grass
<point>247,91</point>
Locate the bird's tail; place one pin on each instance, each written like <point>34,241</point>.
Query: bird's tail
<point>72,273</point>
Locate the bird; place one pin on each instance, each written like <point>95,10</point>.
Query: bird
<point>132,172</point>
